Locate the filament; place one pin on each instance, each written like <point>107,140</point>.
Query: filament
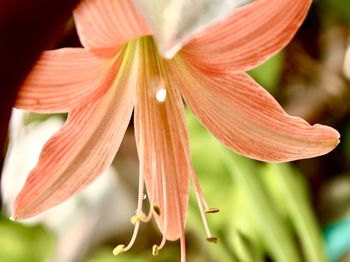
<point>203,207</point>
<point>135,220</point>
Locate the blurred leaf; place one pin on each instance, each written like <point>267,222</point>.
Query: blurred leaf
<point>243,224</point>
<point>20,243</point>
<point>338,8</point>
<point>269,74</point>
<point>273,230</point>
<point>290,192</point>
<point>29,117</point>
<point>246,250</point>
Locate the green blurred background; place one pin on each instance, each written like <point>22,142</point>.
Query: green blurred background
<point>297,211</point>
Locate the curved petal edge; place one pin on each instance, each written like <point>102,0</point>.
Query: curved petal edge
<point>247,119</point>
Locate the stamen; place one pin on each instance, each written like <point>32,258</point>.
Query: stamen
<point>162,243</point>
<point>199,191</point>
<point>155,250</point>
<point>212,239</point>
<point>212,210</point>
<point>183,246</point>
<point>138,218</point>
<point>135,220</point>
<point>149,216</point>
<point>201,202</point>
<point>156,209</point>
<point>118,250</point>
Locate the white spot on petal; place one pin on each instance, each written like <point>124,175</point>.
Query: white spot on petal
<point>161,95</point>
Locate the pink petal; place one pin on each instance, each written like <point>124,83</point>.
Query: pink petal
<point>163,150</point>
<point>250,36</point>
<point>247,119</point>
<point>80,151</point>
<point>64,78</point>
<point>107,23</point>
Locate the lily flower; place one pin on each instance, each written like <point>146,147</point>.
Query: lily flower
<point>119,71</point>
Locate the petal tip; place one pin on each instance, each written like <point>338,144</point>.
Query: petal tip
<point>17,214</point>
<point>330,133</point>
<point>338,142</point>
<point>20,210</point>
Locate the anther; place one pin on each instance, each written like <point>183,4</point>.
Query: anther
<point>155,250</point>
<point>118,250</point>
<point>156,209</point>
<point>138,218</point>
<point>212,210</point>
<point>212,239</point>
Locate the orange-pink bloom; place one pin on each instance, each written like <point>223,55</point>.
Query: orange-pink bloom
<point>119,71</point>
